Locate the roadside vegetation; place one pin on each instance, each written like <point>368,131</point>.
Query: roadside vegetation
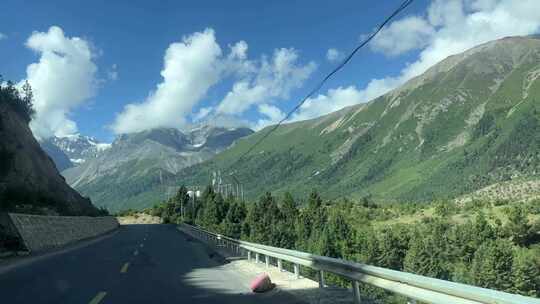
<point>488,244</point>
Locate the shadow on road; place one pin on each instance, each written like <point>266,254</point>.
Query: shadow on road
<point>139,264</point>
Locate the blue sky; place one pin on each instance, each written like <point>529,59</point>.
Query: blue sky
<point>128,40</point>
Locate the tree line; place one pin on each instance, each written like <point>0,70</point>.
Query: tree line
<point>482,251</point>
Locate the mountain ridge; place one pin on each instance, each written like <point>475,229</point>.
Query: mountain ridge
<point>476,105</point>
<point>149,156</point>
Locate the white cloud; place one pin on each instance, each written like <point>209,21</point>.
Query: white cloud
<point>112,73</point>
<point>237,62</point>
<point>202,113</point>
<point>272,116</point>
<point>458,25</point>
<point>63,79</point>
<point>333,55</point>
<point>481,4</point>
<point>239,50</point>
<point>272,80</point>
<point>3,36</point>
<point>458,30</point>
<point>334,100</point>
<point>404,35</point>
<point>191,67</point>
<point>196,64</point>
<point>444,12</point>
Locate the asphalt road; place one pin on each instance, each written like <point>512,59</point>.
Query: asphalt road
<point>137,264</point>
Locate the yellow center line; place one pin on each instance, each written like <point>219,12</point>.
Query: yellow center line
<point>124,268</point>
<point>98,297</point>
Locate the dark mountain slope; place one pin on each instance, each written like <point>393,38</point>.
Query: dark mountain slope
<point>29,180</point>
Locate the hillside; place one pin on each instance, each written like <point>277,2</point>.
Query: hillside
<point>470,121</point>
<point>125,175</point>
<point>29,180</point>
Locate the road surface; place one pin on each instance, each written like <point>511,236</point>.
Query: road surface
<point>137,264</point>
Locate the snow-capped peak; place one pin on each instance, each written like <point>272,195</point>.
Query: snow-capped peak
<point>78,147</point>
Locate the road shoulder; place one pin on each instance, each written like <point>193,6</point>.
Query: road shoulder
<point>16,262</point>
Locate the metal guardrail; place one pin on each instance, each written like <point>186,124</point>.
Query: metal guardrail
<point>414,287</point>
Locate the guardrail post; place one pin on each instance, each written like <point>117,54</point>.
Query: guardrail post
<point>267,261</point>
<point>256,258</point>
<point>297,271</point>
<point>356,292</point>
<point>321,279</point>
<point>249,256</point>
<point>279,265</point>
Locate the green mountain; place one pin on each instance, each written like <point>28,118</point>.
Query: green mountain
<point>469,121</point>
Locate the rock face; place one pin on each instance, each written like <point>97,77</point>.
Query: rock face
<point>118,175</point>
<point>29,180</point>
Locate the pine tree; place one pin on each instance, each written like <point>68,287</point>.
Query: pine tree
<point>526,273</point>
<point>465,239</point>
<point>286,226</point>
<point>211,216</point>
<point>427,254</point>
<point>27,99</point>
<point>517,228</point>
<point>492,265</point>
<point>179,202</point>
<point>234,220</point>
<point>393,246</point>
<point>341,233</point>
<point>368,246</point>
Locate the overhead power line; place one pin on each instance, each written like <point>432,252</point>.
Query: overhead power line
<point>402,7</point>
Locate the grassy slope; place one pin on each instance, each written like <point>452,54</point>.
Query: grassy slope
<point>459,129</point>
<point>401,168</point>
